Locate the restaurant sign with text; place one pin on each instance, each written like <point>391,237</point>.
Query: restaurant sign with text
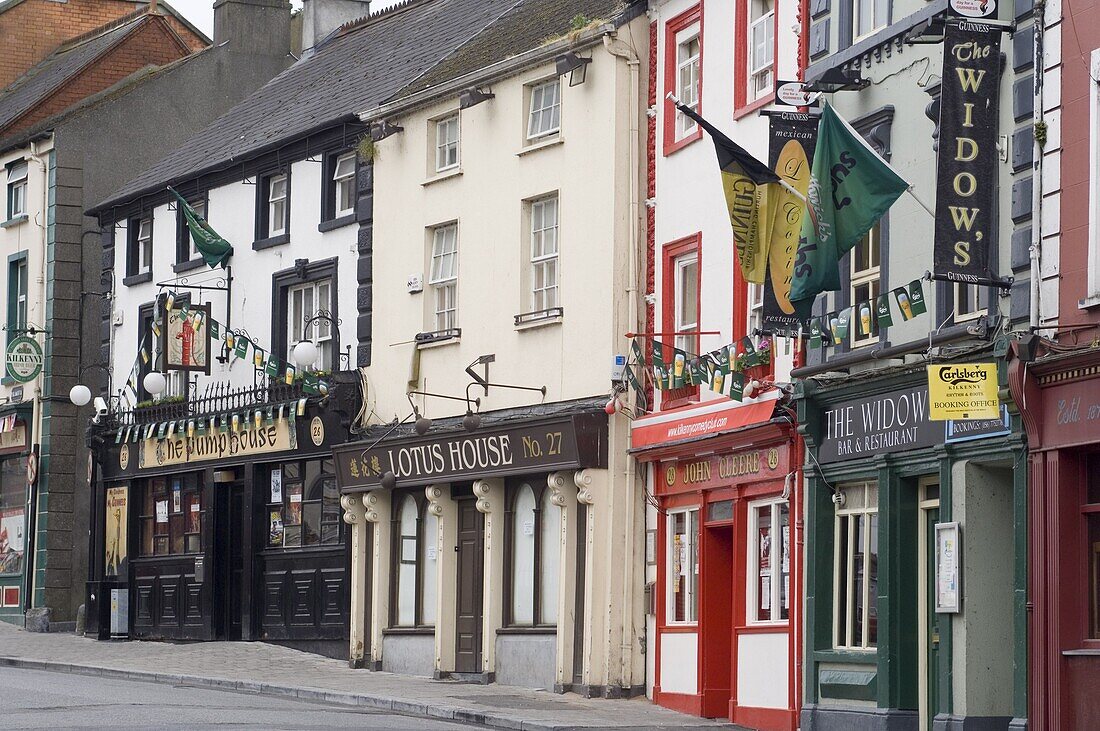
<point>535,445</point>
<point>897,421</point>
<point>279,436</point>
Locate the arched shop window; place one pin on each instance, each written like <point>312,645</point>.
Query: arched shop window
<point>416,536</point>
<point>533,555</point>
<point>303,505</point>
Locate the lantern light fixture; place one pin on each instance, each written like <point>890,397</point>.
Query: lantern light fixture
<point>154,382</point>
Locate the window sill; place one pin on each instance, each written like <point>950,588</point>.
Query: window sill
<point>335,223</point>
<point>135,279</point>
<point>14,221</point>
<point>408,631</point>
<point>541,145</point>
<point>846,655</point>
<point>441,343</point>
<point>1084,652</point>
<point>270,242</point>
<point>186,266</point>
<point>754,105</point>
<point>677,145</point>
<point>533,320</point>
<point>681,627</point>
<point>545,630</point>
<point>1093,300</point>
<point>443,175</point>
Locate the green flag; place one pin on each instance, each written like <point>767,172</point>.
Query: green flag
<point>851,187</point>
<point>214,249</point>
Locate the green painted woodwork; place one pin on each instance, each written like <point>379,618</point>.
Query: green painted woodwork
<point>849,685</point>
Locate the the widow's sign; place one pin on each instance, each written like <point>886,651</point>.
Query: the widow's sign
<point>967,149</point>
<point>536,445</point>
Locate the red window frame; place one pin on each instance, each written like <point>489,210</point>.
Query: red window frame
<point>674,26</point>
<point>670,252</point>
<point>741,104</point>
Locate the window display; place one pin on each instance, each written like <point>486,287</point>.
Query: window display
<point>13,519</point>
<point>303,505</point>
<point>172,515</point>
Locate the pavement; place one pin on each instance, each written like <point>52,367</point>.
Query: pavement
<point>270,670</point>
<point>37,699</point>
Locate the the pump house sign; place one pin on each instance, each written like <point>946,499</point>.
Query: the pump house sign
<point>534,446</point>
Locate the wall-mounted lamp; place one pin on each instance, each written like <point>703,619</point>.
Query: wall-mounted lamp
<point>837,78</point>
<point>154,383</point>
<point>472,97</point>
<point>574,65</point>
<point>383,129</point>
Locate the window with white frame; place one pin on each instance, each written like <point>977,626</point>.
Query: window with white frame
<point>446,143</point>
<point>343,180</point>
<point>544,253</point>
<point>544,119</point>
<point>869,16</point>
<point>276,205</point>
<point>1094,179</point>
<point>145,245</point>
<point>686,305</point>
<point>303,302</point>
<point>682,566</point>
<point>865,283</point>
<point>761,59</point>
<point>17,190</point>
<point>417,552</point>
<point>855,567</point>
<point>688,53</point>
<point>199,207</point>
<point>967,301</point>
<point>755,308</point>
<point>769,575</point>
<point>443,279</point>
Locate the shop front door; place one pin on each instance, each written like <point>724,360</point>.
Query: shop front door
<point>229,551</point>
<point>468,622</point>
<point>929,620</point>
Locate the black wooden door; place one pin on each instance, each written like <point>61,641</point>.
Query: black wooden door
<point>469,584</point>
<point>229,552</point>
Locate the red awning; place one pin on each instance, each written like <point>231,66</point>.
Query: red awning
<point>667,429</point>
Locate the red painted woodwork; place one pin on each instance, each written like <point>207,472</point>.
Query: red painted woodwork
<point>651,194</point>
<point>657,431</point>
<point>716,602</point>
<point>670,252</point>
<point>672,27</point>
<point>742,107</point>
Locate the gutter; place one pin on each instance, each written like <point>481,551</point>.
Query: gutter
<point>1039,137</point>
<point>487,75</point>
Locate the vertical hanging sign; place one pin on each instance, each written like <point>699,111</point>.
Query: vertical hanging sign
<point>967,149</point>
<point>792,139</point>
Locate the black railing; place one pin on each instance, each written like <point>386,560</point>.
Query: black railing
<point>215,399</point>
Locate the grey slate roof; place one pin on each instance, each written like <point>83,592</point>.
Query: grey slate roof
<point>528,25</point>
<point>56,69</point>
<point>358,68</point>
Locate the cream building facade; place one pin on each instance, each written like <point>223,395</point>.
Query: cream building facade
<point>501,537</point>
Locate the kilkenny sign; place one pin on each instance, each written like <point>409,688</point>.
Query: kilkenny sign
<point>538,445</point>
<point>967,149</point>
<point>793,136</point>
<point>24,359</point>
<point>963,391</point>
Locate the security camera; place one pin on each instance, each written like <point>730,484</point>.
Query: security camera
<point>100,409</point>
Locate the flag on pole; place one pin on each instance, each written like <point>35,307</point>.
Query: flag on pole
<point>748,184</point>
<point>214,249</point>
<point>851,187</point>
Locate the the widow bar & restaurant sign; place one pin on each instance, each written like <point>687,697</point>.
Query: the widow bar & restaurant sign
<point>575,441</point>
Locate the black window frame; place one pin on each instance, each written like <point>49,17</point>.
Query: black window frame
<point>307,486</point>
<point>302,272</point>
<point>264,239</point>
<point>184,261</point>
<point>329,220</point>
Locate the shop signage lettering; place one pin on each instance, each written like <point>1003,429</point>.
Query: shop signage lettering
<point>276,437</point>
<point>720,470</point>
<point>423,460</point>
<point>967,151</point>
<point>24,359</point>
<point>963,391</point>
<point>891,422</point>
<point>1071,413</point>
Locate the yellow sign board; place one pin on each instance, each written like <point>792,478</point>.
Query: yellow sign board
<point>963,391</point>
<point>276,437</point>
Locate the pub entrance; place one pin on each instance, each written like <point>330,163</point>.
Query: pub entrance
<point>469,587</point>
<point>230,541</point>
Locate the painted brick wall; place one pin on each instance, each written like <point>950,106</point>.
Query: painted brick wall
<point>154,43</point>
<point>31,30</point>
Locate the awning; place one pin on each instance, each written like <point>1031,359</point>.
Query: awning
<point>666,429</point>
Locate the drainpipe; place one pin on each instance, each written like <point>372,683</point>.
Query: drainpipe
<point>1040,134</point>
<point>623,50</point>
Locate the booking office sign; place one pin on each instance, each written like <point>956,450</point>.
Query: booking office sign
<point>963,391</point>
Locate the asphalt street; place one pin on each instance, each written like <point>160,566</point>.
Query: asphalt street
<point>33,699</point>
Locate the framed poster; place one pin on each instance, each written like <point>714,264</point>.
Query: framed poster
<point>114,535</point>
<point>948,569</point>
<point>185,338</point>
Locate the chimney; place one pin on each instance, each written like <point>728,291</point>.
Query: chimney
<point>321,17</point>
<point>253,27</point>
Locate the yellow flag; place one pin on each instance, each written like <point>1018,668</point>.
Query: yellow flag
<point>788,208</point>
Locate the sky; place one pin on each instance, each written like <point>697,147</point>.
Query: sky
<point>201,12</point>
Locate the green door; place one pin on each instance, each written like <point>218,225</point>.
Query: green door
<point>932,516</point>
